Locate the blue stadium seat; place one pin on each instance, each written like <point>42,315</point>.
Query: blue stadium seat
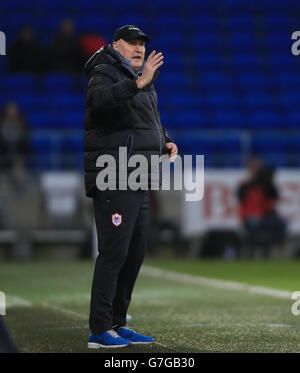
<point>65,102</point>
<point>96,23</point>
<point>256,81</point>
<point>169,81</point>
<point>168,120</point>
<point>278,21</point>
<point>224,99</point>
<point>290,99</point>
<point>278,6</point>
<point>74,119</point>
<point>209,61</point>
<point>292,120</point>
<point>13,21</point>
<point>266,120</point>
<point>193,120</point>
<point>216,80</point>
<point>165,7</point>
<point>277,150</point>
<point>49,25</point>
<point>274,159</point>
<point>239,5</point>
<point>174,62</point>
<point>19,83</point>
<point>205,7</point>
<point>30,103</point>
<point>186,120</point>
<point>170,42</point>
<point>193,145</point>
<point>246,61</point>
<point>58,82</point>
<point>41,121</point>
<point>276,41</point>
<point>288,80</point>
<point>218,152</point>
<point>92,7</point>
<point>46,151</point>
<point>283,61</point>
<point>55,6</point>
<point>243,42</point>
<point>72,151</point>
<point>72,143</point>
<point>204,41</point>
<point>230,119</point>
<point>202,22</point>
<point>44,142</point>
<point>3,101</point>
<point>3,67</point>
<point>240,21</point>
<point>267,143</point>
<point>184,101</point>
<point>20,6</point>
<point>257,100</point>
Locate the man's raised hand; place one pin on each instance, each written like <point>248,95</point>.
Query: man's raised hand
<point>153,62</point>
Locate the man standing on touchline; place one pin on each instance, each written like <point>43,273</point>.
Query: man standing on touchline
<point>120,111</point>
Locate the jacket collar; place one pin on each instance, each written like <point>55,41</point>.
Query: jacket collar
<point>108,54</point>
<point>126,63</point>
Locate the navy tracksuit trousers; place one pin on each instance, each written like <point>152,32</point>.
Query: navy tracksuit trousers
<point>122,222</point>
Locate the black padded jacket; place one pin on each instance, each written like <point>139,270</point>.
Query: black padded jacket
<point>118,114</point>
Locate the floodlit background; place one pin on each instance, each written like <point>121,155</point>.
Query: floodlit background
<point>229,89</point>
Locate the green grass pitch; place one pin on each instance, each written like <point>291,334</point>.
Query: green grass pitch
<point>48,307</point>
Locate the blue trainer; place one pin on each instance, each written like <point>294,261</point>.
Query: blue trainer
<point>109,339</point>
<point>133,336</point>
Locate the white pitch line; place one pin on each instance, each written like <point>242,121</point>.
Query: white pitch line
<point>64,311</point>
<point>17,301</point>
<point>212,282</point>
<point>234,325</point>
<point>66,328</point>
<point>13,301</point>
<point>163,345</point>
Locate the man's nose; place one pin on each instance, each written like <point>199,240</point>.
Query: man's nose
<point>139,49</point>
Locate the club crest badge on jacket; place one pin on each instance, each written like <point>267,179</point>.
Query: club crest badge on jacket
<point>116,219</point>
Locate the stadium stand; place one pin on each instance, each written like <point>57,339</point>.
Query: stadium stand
<point>228,68</point>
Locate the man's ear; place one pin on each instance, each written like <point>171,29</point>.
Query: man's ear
<point>115,45</point>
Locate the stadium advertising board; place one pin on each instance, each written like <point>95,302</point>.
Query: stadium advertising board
<point>219,207</point>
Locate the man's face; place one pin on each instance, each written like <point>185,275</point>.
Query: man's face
<point>133,50</point>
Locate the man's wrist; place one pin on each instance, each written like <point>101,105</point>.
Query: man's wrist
<point>140,83</point>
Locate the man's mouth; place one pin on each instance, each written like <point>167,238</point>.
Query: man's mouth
<point>137,58</point>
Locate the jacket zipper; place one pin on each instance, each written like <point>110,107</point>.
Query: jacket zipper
<point>131,137</point>
<point>157,126</point>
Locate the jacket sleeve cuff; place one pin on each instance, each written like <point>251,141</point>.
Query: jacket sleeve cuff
<point>167,137</point>
<point>132,86</point>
